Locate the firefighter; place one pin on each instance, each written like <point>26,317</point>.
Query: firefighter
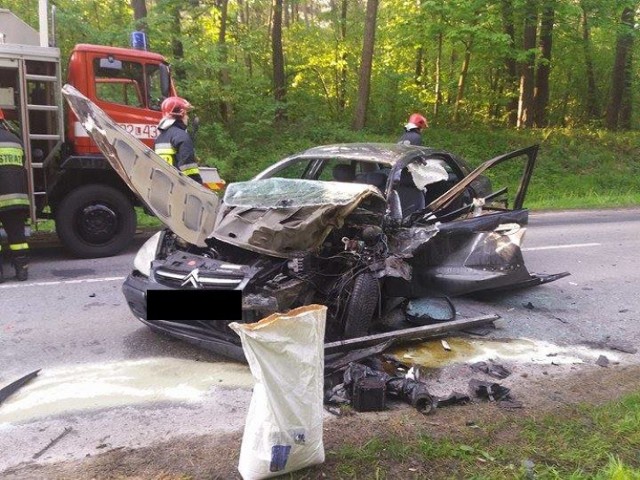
<point>413,129</point>
<point>14,199</point>
<point>173,143</point>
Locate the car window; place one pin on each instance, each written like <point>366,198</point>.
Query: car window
<point>292,170</point>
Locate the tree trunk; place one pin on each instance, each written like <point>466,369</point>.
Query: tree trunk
<point>462,80</point>
<point>225,107</point>
<point>140,14</point>
<point>419,65</point>
<point>438,92</point>
<point>342,82</point>
<point>593,105</point>
<point>623,46</point>
<point>541,93</point>
<point>527,68</point>
<point>368,43</point>
<point>277,55</point>
<point>627,94</point>
<point>176,43</point>
<point>511,67</point>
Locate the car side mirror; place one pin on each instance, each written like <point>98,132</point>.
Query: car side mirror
<point>395,208</point>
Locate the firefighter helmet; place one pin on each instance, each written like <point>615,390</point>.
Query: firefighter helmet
<point>1,114</point>
<point>175,107</point>
<point>419,121</point>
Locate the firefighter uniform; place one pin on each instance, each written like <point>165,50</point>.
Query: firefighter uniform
<point>14,200</point>
<point>174,144</point>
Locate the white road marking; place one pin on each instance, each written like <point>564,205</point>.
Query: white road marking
<point>554,247</point>
<point>60,282</point>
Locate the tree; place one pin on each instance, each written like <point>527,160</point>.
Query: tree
<point>225,106</point>
<point>541,92</point>
<point>277,56</point>
<point>624,42</point>
<point>510,64</point>
<point>366,64</point>
<point>139,14</point>
<point>527,66</point>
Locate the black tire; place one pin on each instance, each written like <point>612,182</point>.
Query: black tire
<point>361,306</point>
<point>95,220</point>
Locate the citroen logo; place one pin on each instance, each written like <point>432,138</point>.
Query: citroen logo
<point>192,278</point>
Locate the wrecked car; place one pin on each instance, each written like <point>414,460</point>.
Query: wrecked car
<point>361,228</point>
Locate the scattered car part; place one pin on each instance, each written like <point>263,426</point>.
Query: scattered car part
<point>492,369</point>
<point>426,310</point>
<point>454,399</point>
<point>8,390</point>
<point>426,331</point>
<point>369,395</point>
<point>489,390</point>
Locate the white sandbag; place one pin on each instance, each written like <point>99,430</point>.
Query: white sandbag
<point>283,430</point>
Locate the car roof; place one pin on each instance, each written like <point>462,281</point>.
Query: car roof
<point>387,153</point>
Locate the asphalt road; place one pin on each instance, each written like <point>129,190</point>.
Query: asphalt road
<point>117,384</point>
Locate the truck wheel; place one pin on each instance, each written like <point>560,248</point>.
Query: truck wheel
<point>361,305</point>
<point>95,220</point>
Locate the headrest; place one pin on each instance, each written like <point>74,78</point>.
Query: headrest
<point>344,173</point>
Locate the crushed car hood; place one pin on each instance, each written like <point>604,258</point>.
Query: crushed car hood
<point>182,204</point>
<point>281,216</point>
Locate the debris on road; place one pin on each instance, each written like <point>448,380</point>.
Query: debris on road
<point>64,433</point>
<point>13,387</point>
<point>445,345</point>
<point>492,369</point>
<point>602,361</point>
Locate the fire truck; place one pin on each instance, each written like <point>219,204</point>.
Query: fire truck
<point>69,180</point>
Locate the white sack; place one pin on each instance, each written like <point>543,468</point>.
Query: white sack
<point>283,430</point>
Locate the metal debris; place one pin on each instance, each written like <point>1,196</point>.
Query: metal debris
<point>489,390</point>
<point>66,431</point>
<point>13,387</point>
<point>494,370</point>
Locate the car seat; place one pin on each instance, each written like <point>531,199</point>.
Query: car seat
<point>344,173</point>
<point>411,197</point>
<point>377,179</point>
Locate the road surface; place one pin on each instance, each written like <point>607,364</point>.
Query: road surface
<point>114,383</point>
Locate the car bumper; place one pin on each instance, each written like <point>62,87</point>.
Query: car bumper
<point>135,291</point>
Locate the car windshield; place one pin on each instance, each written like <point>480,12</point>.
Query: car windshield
<point>284,193</point>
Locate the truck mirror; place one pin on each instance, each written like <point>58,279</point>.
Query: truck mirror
<point>165,81</point>
<point>110,63</point>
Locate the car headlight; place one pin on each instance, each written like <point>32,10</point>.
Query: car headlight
<point>146,255</point>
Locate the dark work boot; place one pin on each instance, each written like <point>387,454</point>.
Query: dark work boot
<point>21,264</point>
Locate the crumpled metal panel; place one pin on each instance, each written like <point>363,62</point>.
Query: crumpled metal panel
<point>186,207</point>
<point>293,193</point>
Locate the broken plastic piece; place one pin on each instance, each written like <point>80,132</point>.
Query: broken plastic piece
<point>488,390</point>
<point>494,370</point>
<point>13,387</point>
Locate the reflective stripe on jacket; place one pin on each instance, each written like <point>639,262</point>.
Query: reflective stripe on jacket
<point>13,176</point>
<point>175,146</point>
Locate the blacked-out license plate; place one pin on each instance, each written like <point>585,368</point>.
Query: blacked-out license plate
<point>194,304</point>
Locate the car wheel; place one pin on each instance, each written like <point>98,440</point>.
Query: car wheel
<point>95,221</point>
<point>361,305</point>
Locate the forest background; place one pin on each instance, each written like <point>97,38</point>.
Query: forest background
<point>272,77</point>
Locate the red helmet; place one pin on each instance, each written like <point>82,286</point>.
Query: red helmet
<point>419,121</point>
<point>175,107</point>
<point>1,114</point>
